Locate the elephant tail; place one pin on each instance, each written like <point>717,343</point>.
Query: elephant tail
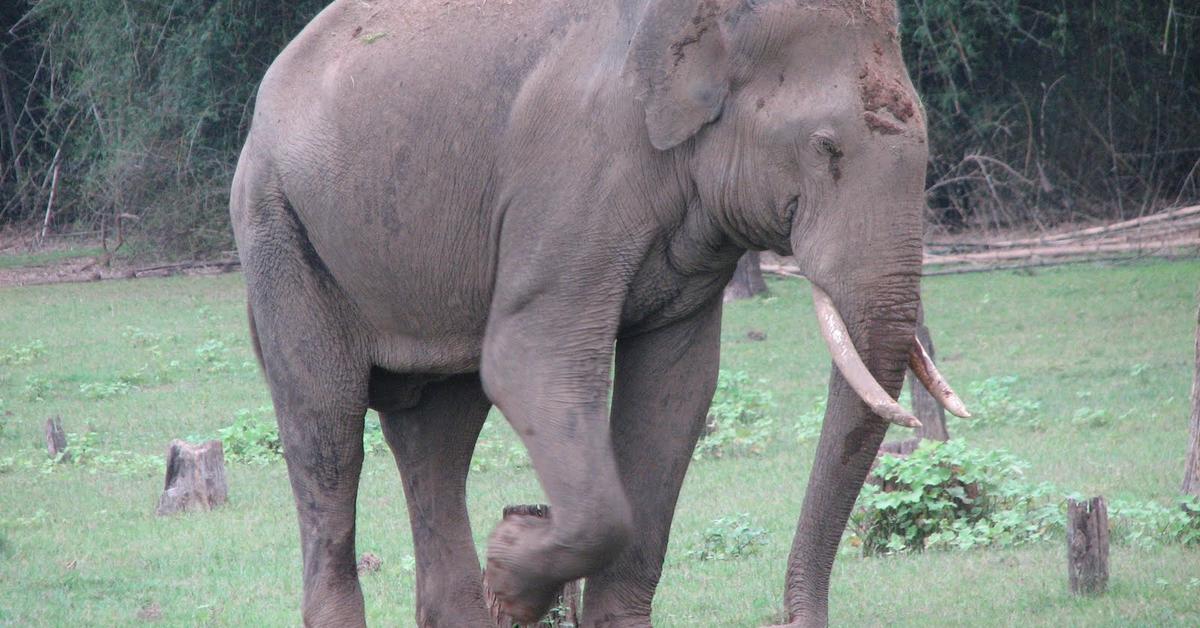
<point>254,337</point>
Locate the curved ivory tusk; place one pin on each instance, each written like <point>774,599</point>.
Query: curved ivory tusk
<point>922,366</point>
<point>846,357</point>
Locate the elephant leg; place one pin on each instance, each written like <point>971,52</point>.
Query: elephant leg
<point>432,443</point>
<point>305,339</point>
<point>664,384</point>
<point>843,459</point>
<point>547,367</point>
<point>320,409</point>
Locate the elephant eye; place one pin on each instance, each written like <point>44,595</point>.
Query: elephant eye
<point>824,143</point>
<point>827,146</point>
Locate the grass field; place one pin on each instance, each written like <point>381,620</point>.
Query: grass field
<point>1105,351</point>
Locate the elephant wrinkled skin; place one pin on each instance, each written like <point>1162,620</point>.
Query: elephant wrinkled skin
<point>443,206</point>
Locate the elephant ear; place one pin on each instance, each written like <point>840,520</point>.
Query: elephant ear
<point>680,68</point>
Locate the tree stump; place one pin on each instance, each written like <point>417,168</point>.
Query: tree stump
<point>1191,469</point>
<point>565,612</point>
<point>195,478</point>
<point>56,439</point>
<point>1087,546</point>
<point>747,280</point>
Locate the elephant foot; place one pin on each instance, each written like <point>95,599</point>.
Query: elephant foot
<point>514,574</point>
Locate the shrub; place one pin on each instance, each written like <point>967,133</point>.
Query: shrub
<point>993,402</point>
<point>730,537</point>
<point>37,388</point>
<point>1149,524</point>
<point>253,437</point>
<point>739,420</point>
<point>23,354</point>
<point>808,425</point>
<point>498,448</point>
<point>948,495</point>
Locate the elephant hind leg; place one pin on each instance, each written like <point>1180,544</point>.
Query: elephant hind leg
<point>317,373</point>
<point>433,440</point>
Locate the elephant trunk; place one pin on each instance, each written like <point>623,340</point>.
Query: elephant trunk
<point>870,359</point>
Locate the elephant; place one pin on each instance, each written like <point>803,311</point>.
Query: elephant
<point>441,207</point>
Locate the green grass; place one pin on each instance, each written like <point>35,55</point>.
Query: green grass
<point>80,545</point>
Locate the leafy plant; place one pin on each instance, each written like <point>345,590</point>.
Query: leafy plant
<point>498,448</point>
<point>214,354</point>
<point>1148,524</point>
<point>993,402</point>
<point>808,424</point>
<point>253,437</point>
<point>948,495</point>
<point>739,421</point>
<point>17,355</point>
<point>730,537</point>
<point>37,388</point>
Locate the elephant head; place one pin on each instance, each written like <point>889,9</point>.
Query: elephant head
<point>804,135</point>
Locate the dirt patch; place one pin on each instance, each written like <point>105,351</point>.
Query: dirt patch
<point>884,96</point>
<point>79,270</point>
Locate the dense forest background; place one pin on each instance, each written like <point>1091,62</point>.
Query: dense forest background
<point>1041,112</point>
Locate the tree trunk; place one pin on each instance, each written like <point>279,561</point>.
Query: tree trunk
<point>1191,472</point>
<point>747,280</point>
<point>195,478</point>
<point>565,613</point>
<point>1087,546</point>
<point>927,409</point>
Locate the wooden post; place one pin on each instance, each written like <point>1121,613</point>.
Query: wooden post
<point>565,613</point>
<point>1087,546</point>
<point>747,280</point>
<point>195,478</point>
<point>56,439</point>
<point>1191,470</point>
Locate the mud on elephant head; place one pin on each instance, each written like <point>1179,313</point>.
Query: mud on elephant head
<point>809,140</point>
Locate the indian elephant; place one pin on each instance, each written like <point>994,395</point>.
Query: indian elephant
<point>445,206</point>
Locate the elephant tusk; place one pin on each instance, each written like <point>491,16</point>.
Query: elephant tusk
<point>922,366</point>
<point>846,357</point>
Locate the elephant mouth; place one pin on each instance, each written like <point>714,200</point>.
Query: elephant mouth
<point>850,364</point>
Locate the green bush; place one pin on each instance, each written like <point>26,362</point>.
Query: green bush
<point>808,424</point>
<point>739,419</point>
<point>23,354</point>
<point>949,495</point>
<point>728,538</point>
<point>994,403</point>
<point>253,437</point>
<point>1149,524</point>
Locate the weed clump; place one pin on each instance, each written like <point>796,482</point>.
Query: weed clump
<point>730,537</point>
<point>253,437</point>
<point>1149,524</point>
<point>739,419</point>
<point>994,403</point>
<point>948,495</point>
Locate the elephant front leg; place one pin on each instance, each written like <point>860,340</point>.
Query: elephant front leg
<point>546,366</point>
<point>664,384</point>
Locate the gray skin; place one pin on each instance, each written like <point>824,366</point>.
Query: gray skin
<point>447,206</point>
